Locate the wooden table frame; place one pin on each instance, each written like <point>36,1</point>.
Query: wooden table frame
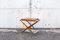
<point>28,20</point>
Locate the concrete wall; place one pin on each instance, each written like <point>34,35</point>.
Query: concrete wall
<point>48,11</point>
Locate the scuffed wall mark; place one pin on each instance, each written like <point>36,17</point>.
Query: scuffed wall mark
<point>46,24</point>
<point>18,11</point>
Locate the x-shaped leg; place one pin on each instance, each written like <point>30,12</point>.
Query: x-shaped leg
<point>31,25</point>
<point>26,25</point>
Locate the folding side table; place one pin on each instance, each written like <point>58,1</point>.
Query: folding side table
<point>29,20</point>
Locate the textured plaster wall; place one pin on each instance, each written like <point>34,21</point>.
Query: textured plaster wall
<point>48,11</point>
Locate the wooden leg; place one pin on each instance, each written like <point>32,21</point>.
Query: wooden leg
<point>26,26</point>
<point>30,26</point>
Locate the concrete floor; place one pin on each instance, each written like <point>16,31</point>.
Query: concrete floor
<point>29,36</point>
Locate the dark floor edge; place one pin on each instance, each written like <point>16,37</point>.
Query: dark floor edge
<point>31,28</point>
